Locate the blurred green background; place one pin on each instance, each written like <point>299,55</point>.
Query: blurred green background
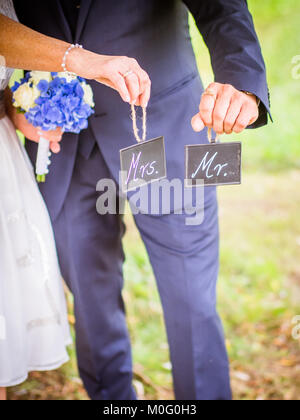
<point>259,286</point>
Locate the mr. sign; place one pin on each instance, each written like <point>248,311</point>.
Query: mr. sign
<point>215,164</point>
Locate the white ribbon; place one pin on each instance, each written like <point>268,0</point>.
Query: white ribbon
<point>42,160</point>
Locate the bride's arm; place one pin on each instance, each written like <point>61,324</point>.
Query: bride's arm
<point>24,48</point>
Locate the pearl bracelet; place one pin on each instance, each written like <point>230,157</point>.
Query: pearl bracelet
<point>63,64</point>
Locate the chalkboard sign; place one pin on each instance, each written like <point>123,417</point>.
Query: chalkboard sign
<point>142,163</point>
<point>215,163</point>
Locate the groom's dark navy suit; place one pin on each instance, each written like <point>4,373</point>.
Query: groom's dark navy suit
<point>184,258</point>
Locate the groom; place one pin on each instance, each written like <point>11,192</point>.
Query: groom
<point>184,258</point>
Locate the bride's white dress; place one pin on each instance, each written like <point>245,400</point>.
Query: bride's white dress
<point>34,329</point>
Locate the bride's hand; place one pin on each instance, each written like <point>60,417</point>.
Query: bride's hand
<point>34,133</point>
<point>135,87</point>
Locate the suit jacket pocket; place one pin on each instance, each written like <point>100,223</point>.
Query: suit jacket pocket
<point>175,87</point>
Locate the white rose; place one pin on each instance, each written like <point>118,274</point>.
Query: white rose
<point>88,94</point>
<point>25,97</point>
<point>69,77</point>
<point>37,76</point>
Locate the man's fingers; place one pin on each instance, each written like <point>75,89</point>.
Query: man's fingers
<point>207,104</point>
<point>231,116</point>
<point>255,116</point>
<point>197,123</point>
<point>221,107</point>
<point>226,109</point>
<point>242,120</point>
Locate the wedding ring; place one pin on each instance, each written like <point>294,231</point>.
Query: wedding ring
<point>209,92</point>
<point>128,73</point>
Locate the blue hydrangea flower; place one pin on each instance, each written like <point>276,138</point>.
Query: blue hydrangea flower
<point>60,104</point>
<point>43,86</point>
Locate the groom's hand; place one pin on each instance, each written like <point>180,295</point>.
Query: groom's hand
<point>225,109</point>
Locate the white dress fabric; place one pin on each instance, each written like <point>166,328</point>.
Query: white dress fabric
<point>34,330</point>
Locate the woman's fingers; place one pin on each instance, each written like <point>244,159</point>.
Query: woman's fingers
<point>138,82</point>
<point>133,86</point>
<point>145,96</point>
<point>54,147</point>
<point>110,71</point>
<point>145,85</point>
<point>118,83</point>
<point>54,137</point>
<point>126,76</point>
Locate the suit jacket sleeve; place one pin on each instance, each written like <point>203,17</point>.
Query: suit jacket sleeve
<point>228,31</point>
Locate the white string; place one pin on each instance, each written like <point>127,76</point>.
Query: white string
<point>136,130</point>
<point>209,136</point>
<point>134,124</point>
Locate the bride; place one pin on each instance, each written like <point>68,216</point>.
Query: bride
<point>34,329</point>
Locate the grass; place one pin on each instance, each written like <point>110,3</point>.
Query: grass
<point>259,285</point>
<point>258,289</point>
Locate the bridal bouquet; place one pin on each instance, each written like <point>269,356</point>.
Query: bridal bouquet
<point>52,100</point>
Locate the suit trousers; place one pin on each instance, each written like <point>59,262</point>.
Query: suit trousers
<point>185,261</point>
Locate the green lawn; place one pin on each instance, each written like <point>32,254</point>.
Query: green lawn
<point>259,290</point>
<point>259,287</point>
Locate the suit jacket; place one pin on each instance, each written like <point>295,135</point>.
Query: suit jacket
<point>156,33</point>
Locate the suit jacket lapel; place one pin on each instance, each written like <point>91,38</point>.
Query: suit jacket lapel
<point>64,23</point>
<point>84,10</point>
